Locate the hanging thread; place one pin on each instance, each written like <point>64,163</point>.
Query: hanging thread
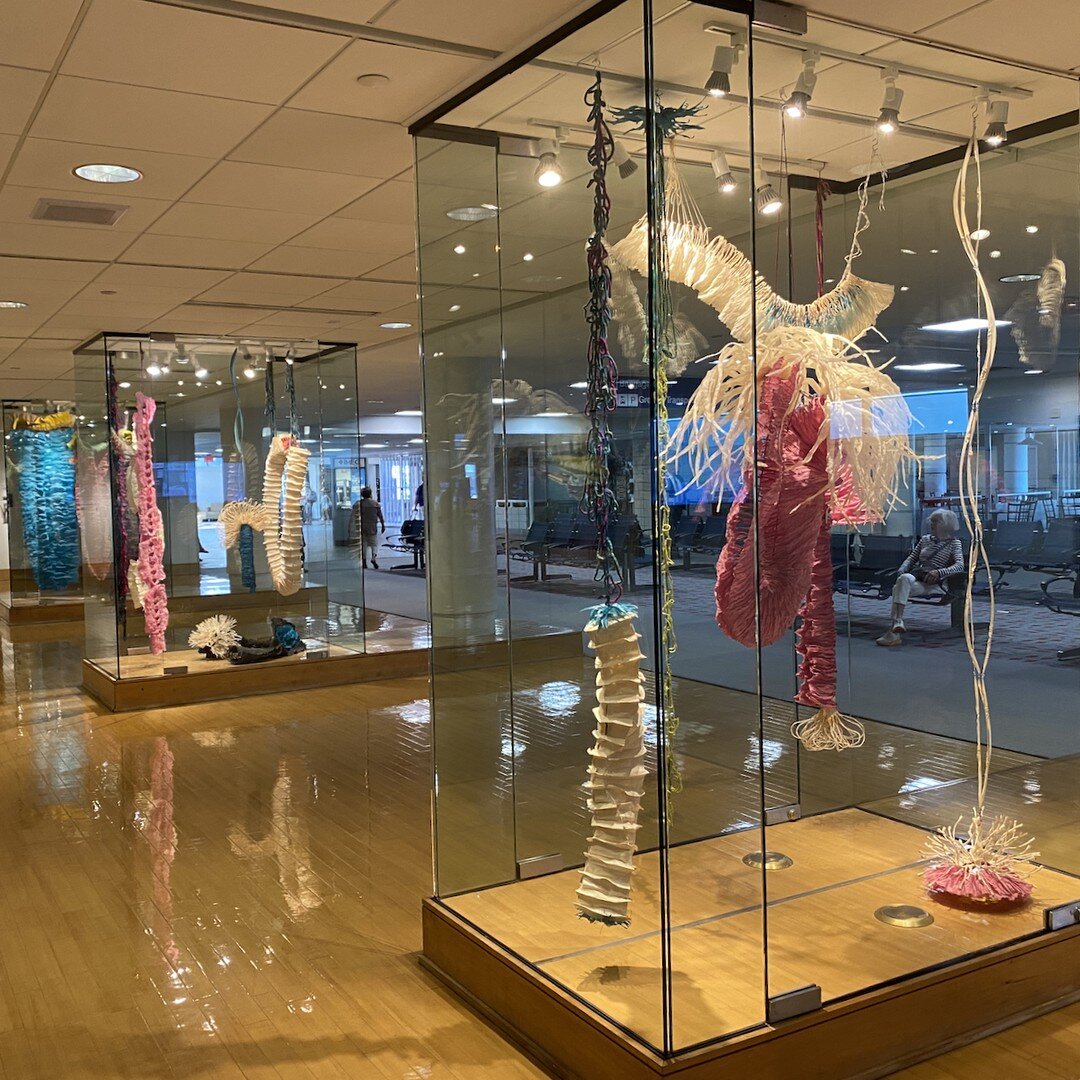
<point>270,406</point>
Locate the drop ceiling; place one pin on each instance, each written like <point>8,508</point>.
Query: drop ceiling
<point>277,192</point>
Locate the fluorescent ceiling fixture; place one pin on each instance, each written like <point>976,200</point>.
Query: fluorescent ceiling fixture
<point>1031,229</point>
<point>373,445</point>
<point>483,212</point>
<point>959,326</point>
<point>12,304</point>
<point>1033,371</point>
<point>405,412</point>
<point>503,400</point>
<point>553,414</point>
<point>416,442</point>
<point>396,325</point>
<point>1009,279</point>
<point>908,251</point>
<point>579,386</point>
<point>108,174</point>
<point>980,234</point>
<point>928,365</point>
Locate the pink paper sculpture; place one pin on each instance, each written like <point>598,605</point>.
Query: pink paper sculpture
<point>151,567</point>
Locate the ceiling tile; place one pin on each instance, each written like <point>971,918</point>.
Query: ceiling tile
<point>196,319</point>
<point>82,110</point>
<point>394,201</point>
<point>270,289</point>
<point>23,388</point>
<point>269,187</point>
<point>77,325</point>
<point>292,259</point>
<point>351,11</point>
<point>17,203</point>
<point>198,52</point>
<point>60,241</point>
<point>416,78</point>
<point>232,223</point>
<point>367,295</point>
<point>112,310</point>
<point>47,270</point>
<point>165,277</point>
<point>401,269</point>
<point>333,144</point>
<point>189,251</point>
<point>115,292</point>
<point>34,32</point>
<point>46,163</point>
<point>7,148</point>
<point>493,24</point>
<point>351,234</point>
<point>8,345</point>
<point>19,92</point>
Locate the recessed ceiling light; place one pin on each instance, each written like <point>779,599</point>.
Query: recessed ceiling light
<point>249,373</point>
<point>907,251</point>
<point>459,249</point>
<point>980,234</point>
<point>372,78</point>
<point>409,412</point>
<point>201,373</point>
<point>928,365</point>
<point>528,256</point>
<point>1012,278</point>
<point>153,370</point>
<point>108,174</point>
<point>904,288</point>
<point>125,386</point>
<point>1032,229</point>
<point>455,307</point>
<point>396,325</point>
<point>995,254</point>
<point>12,304</point>
<point>483,212</point>
<point>958,326</point>
<point>933,251</point>
<point>579,386</point>
<point>503,400</point>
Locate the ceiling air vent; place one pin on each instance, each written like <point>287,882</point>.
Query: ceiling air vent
<point>74,211</point>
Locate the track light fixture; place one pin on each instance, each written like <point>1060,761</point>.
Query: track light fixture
<point>626,165</point>
<point>799,98</point>
<point>719,82</point>
<point>725,182</point>
<point>549,172</point>
<point>765,197</point>
<point>997,116</point>
<point>889,118</point>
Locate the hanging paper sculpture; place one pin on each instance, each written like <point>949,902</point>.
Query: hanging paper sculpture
<point>616,771</point>
<point>278,516</point>
<point>42,451</point>
<point>821,431</point>
<point>151,568</point>
<point>1035,317</point>
<point>991,859</point>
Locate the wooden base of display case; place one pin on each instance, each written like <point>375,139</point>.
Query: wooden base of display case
<point>571,992</point>
<point>143,683</point>
<point>32,612</point>
<point>264,602</point>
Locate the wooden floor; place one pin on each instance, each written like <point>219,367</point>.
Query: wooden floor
<point>231,890</point>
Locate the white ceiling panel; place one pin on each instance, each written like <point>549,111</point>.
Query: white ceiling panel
<point>22,388</point>
<point>351,234</point>
<point>19,92</point>
<point>34,32</point>
<point>76,325</point>
<point>132,41</point>
<point>194,319</point>
<point>367,295</point>
<point>907,16</point>
<point>112,310</point>
<point>52,164</point>
<point>292,259</point>
<point>403,269</point>
<point>415,79</point>
<point>7,147</point>
<point>232,223</point>
<point>191,251</point>
<point>61,241</point>
<point>83,110</point>
<point>333,144</point>
<point>17,203</point>
<point>132,293</point>
<point>8,345</point>
<point>350,11</point>
<point>394,201</point>
<point>271,187</point>
<point>492,24</point>
<point>54,271</point>
<point>269,289</point>
<point>164,277</point>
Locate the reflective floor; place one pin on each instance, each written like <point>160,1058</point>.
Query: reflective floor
<point>231,890</point>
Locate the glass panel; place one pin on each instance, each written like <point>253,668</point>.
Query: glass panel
<point>867,811</point>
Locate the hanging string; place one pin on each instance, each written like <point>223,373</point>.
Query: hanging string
<point>290,390</point>
<point>598,501</point>
<point>821,192</point>
<point>270,407</point>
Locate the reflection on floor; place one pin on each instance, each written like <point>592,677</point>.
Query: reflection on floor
<point>230,891</point>
<point>821,924</point>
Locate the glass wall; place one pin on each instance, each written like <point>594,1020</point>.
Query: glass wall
<point>776,446</point>
<point>227,415</point>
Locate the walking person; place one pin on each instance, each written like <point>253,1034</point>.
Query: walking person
<point>371,517</point>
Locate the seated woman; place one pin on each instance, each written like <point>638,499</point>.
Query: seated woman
<point>936,557</point>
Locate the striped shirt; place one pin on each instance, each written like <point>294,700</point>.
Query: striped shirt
<point>945,556</point>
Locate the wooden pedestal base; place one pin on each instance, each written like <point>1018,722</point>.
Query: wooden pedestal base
<point>591,1010</point>
<point>30,613</point>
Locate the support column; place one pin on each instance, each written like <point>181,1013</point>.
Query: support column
<point>1015,466</point>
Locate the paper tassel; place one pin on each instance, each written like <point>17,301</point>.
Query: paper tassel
<point>151,567</point>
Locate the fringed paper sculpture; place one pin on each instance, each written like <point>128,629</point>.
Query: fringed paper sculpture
<point>617,770</point>
<point>1050,293</point>
<point>42,452</point>
<point>992,859</point>
<point>213,637</point>
<point>151,569</point>
<point>278,517</point>
<point>1035,317</point>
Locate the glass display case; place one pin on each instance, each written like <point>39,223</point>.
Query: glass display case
<point>709,375</point>
<point>219,485</point>
<point>41,576</point>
